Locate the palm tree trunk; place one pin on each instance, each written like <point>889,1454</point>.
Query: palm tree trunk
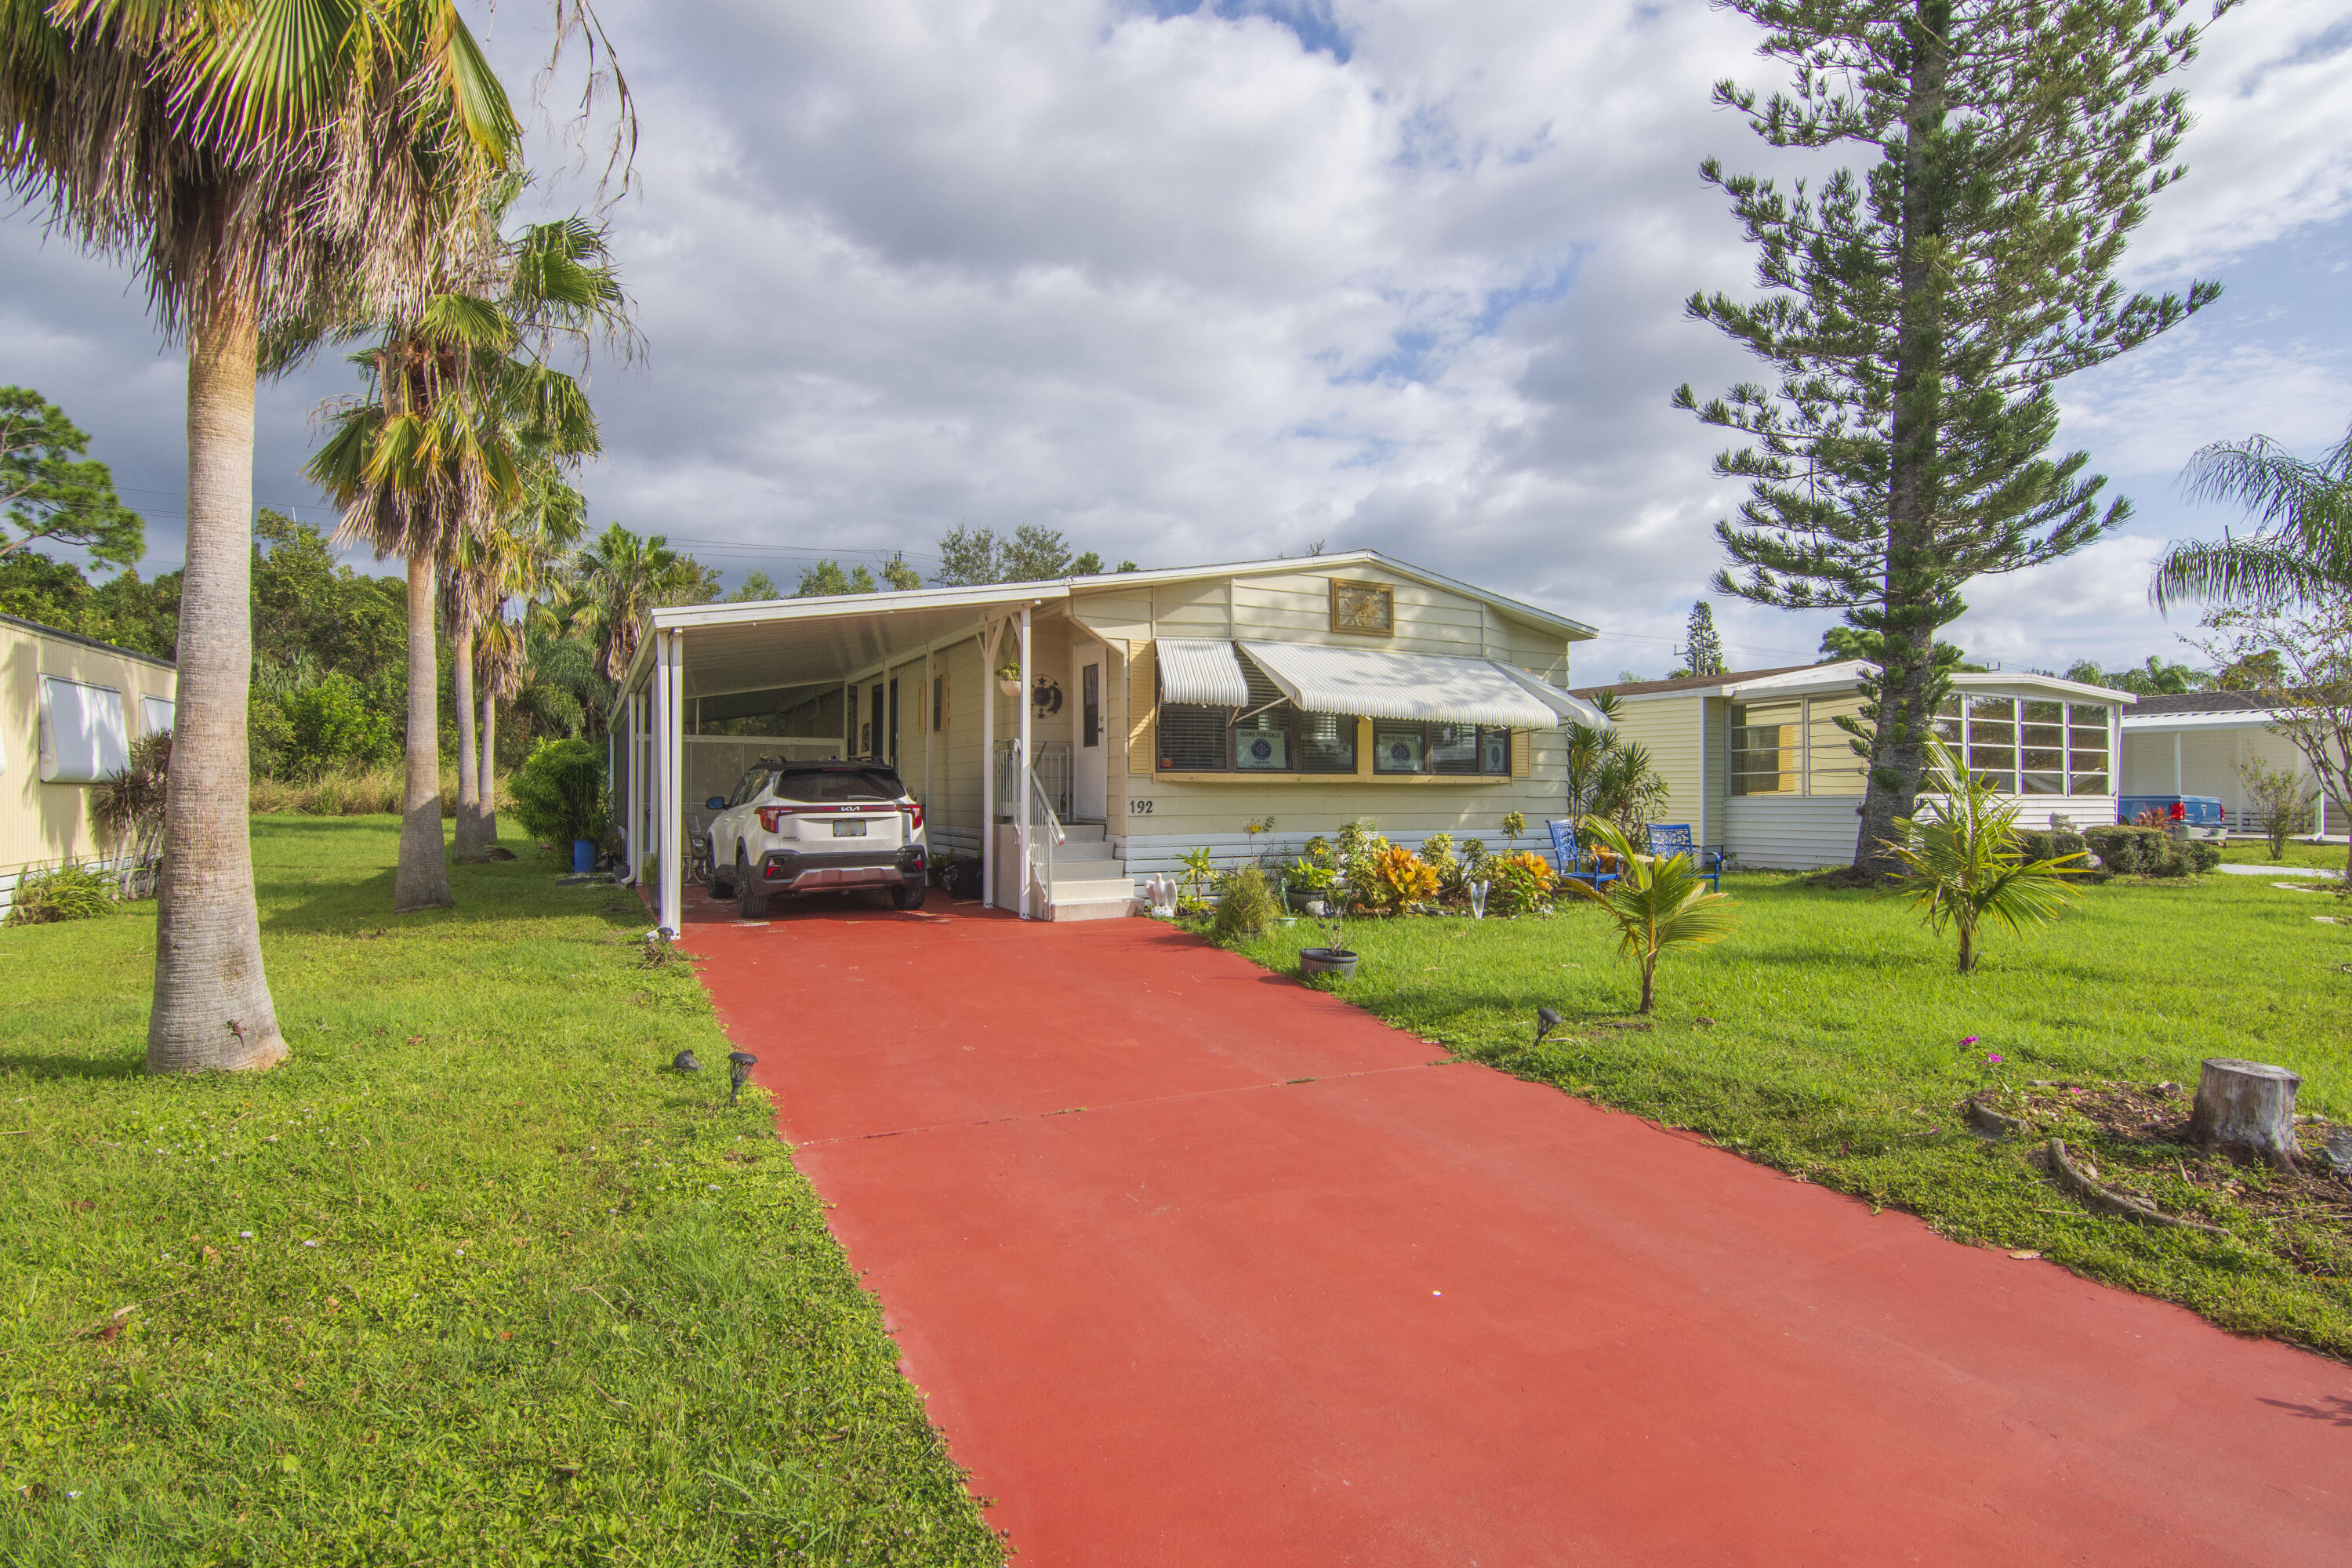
<point>470,843</point>
<point>422,880</point>
<point>1967,948</point>
<point>212,1004</point>
<point>1650,984</point>
<point>490,769</point>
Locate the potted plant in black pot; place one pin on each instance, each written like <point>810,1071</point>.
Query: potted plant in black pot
<point>1333,957</point>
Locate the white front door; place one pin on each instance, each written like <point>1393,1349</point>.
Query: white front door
<point>1090,778</point>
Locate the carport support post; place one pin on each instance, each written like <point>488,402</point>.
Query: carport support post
<point>656,817</point>
<point>987,768</point>
<point>1021,774</point>
<point>671,666</point>
<point>635,808</point>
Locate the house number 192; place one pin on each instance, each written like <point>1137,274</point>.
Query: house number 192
<point>1138,809</point>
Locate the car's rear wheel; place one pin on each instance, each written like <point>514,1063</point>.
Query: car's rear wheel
<point>721,885</point>
<point>903,898</point>
<point>751,898</point>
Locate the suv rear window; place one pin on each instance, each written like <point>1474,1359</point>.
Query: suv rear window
<point>845,785</point>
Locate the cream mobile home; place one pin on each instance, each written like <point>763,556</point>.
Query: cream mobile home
<point>1080,734</point>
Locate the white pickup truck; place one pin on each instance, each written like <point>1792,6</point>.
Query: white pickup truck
<point>817,827</point>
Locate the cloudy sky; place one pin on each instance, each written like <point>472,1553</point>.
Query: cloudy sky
<point>1213,281</point>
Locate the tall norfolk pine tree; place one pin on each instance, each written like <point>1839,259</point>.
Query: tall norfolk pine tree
<point>1919,313</point>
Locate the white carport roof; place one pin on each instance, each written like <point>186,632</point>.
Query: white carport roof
<point>758,645</point>
<point>781,644</point>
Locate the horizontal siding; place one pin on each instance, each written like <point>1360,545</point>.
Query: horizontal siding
<point>1795,832</point>
<point>1668,732</point>
<point>1185,815</point>
<point>44,824</point>
<point>1295,606</point>
<point>1538,652</point>
<point>1800,832</point>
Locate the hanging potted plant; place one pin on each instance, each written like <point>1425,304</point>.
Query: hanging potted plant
<point>1008,679</point>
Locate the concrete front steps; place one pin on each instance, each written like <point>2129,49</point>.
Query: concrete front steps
<point>1089,881</point>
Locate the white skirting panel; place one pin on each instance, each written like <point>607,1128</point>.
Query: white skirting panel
<point>1806,833</point>
<point>1795,832</point>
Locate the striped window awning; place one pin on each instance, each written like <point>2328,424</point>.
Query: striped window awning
<point>1201,670</point>
<point>1434,686</point>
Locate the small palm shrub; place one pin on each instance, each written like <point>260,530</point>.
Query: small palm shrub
<point>1960,860</point>
<point>1519,884</point>
<point>70,892</point>
<point>1657,903</point>
<point>1246,908</point>
<point>1398,879</point>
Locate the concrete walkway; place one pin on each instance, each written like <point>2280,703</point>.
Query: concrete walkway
<point>1196,1267</point>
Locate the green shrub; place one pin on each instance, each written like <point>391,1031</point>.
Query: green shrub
<point>2041,844</point>
<point>68,893</point>
<point>559,795</point>
<point>324,728</point>
<point>1247,907</point>
<point>2134,851</point>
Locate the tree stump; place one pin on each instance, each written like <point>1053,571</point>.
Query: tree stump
<point>2246,1108</point>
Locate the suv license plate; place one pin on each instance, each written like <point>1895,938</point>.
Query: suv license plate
<point>849,829</point>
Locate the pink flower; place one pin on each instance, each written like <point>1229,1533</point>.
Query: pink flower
<point>1993,1056</point>
<point>1970,1040</point>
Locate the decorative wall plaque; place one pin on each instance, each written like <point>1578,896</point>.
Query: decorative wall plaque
<point>1368,609</point>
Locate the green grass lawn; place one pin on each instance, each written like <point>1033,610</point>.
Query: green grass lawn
<point>469,1279</point>
<point>1826,1037</point>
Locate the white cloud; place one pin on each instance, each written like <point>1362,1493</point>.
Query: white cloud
<point>1189,289</point>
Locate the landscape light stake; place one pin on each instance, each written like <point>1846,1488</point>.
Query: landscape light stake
<point>686,1061</point>
<point>741,1070</point>
<point>1546,1020</point>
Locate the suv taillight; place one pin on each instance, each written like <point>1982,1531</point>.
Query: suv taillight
<point>772,817</point>
<point>914,816</point>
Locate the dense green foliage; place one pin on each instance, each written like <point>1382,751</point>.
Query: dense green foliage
<point>70,892</point>
<point>2124,850</point>
<point>1245,905</point>
<point>1834,1039</point>
<point>471,1278</point>
<point>559,792</point>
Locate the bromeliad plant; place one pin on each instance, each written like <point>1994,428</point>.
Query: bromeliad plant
<point>1960,864</point>
<point>1656,902</point>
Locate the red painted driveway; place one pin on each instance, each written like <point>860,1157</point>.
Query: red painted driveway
<point>1171,1307</point>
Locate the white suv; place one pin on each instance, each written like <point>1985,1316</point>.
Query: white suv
<point>807,827</point>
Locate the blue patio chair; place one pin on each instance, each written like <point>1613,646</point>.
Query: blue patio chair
<point>1567,859</point>
<point>1674,838</point>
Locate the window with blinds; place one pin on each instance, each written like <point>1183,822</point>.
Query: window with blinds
<point>1764,748</point>
<point>1266,734</point>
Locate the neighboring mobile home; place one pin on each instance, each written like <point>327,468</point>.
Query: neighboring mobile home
<point>1158,711</point>
<point>1759,768</point>
<point>69,708</point>
<point>2192,744</point>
